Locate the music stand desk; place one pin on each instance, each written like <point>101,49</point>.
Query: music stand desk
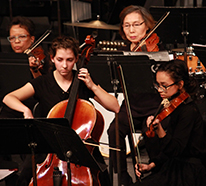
<point>50,135</point>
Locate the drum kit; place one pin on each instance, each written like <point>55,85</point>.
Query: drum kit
<point>195,67</point>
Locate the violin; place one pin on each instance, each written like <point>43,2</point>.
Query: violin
<point>149,45</point>
<point>38,52</point>
<point>169,107</point>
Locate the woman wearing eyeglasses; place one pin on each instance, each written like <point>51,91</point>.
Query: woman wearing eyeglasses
<point>21,34</point>
<point>21,37</point>
<point>135,22</point>
<point>176,154</point>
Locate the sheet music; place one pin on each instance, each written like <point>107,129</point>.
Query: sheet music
<point>4,173</point>
<point>157,56</point>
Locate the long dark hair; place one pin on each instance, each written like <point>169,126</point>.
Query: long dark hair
<point>178,70</point>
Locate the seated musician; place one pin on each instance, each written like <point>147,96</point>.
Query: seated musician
<point>135,23</point>
<point>176,154</point>
<point>21,37</point>
<point>55,86</point>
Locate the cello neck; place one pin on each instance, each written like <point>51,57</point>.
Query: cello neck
<point>73,94</point>
<point>75,85</point>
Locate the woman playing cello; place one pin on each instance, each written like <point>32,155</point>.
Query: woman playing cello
<point>176,154</point>
<point>55,86</point>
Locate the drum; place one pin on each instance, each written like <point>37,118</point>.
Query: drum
<point>195,67</point>
<point>108,118</point>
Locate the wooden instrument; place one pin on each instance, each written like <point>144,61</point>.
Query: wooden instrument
<point>151,39</point>
<point>169,108</point>
<point>88,124</point>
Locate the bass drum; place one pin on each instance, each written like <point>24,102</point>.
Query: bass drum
<point>108,118</point>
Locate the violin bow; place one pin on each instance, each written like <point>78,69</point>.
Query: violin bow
<point>34,45</point>
<point>151,31</point>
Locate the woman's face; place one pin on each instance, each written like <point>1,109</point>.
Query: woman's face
<point>134,27</point>
<point>164,80</point>
<point>64,61</point>
<point>24,40</point>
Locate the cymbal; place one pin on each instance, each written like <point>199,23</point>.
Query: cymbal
<point>94,24</point>
<point>178,49</point>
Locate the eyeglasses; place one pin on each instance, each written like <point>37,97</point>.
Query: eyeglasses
<point>163,87</point>
<point>135,25</point>
<point>21,37</point>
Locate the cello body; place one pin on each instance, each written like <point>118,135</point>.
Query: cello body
<point>88,124</point>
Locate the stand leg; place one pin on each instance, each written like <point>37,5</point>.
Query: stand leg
<point>118,153</point>
<point>110,168</point>
<point>68,155</point>
<point>32,146</point>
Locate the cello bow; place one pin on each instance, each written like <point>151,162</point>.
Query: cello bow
<point>129,114</point>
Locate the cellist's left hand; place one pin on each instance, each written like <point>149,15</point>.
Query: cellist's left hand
<point>85,77</point>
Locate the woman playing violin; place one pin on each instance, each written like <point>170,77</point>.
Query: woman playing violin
<point>21,37</point>
<point>55,86</point>
<point>135,21</point>
<point>176,154</point>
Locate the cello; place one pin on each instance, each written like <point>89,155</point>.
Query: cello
<point>88,123</point>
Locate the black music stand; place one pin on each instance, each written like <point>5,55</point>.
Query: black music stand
<point>181,19</point>
<point>45,135</point>
<point>138,74</point>
<point>138,79</point>
<point>14,72</point>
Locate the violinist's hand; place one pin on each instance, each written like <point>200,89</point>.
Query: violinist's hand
<point>149,120</point>
<point>143,168</point>
<point>34,63</point>
<point>157,126</point>
<point>85,77</point>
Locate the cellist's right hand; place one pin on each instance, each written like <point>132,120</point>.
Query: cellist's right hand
<point>140,168</point>
<point>27,113</point>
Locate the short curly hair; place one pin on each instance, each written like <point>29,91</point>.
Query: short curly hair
<point>24,22</point>
<point>65,42</point>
